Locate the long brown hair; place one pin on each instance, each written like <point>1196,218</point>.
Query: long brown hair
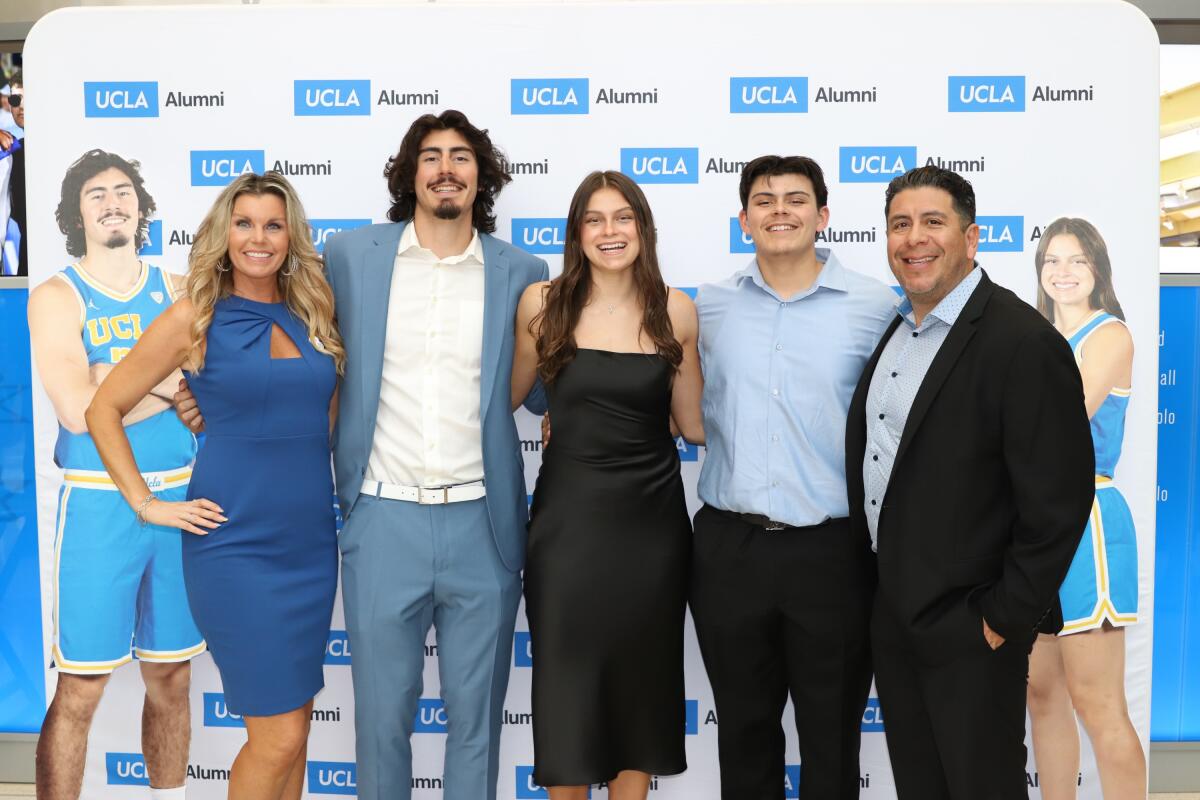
<point>1103,295</point>
<point>554,326</point>
<point>305,292</point>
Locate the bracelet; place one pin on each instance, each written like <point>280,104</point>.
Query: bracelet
<point>142,506</point>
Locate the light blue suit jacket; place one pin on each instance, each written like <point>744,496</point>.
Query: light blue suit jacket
<point>359,263</point>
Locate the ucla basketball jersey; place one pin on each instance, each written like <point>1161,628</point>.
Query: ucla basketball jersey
<point>110,324</point>
<point>1108,423</point>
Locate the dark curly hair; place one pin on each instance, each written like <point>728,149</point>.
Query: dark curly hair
<point>88,166</point>
<point>401,169</point>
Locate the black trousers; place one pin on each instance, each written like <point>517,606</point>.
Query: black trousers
<point>955,729</point>
<point>781,612</point>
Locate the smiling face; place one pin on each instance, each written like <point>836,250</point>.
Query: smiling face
<point>108,206</point>
<point>1067,274</point>
<point>608,234</point>
<point>447,177</point>
<point>929,249</point>
<point>782,216</point>
<point>258,236</point>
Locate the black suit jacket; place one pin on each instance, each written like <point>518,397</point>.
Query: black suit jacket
<point>992,484</point>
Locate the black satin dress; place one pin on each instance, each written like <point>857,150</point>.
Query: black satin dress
<point>606,575</point>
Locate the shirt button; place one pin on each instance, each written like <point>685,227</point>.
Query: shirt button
<point>774,483</point>
<point>775,393</point>
<point>874,458</point>
<point>914,334</point>
<point>872,502</point>
<point>775,438</point>
<point>894,374</point>
<point>881,416</point>
<point>778,347</point>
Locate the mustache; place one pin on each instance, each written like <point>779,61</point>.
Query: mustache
<point>449,181</point>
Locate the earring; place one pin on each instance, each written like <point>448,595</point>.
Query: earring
<point>292,265</point>
<point>223,265</point>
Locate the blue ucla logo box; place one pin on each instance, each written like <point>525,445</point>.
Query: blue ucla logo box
<point>221,167</point>
<point>322,229</point>
<point>337,648</point>
<point>522,649</point>
<point>687,452</point>
<point>549,96</point>
<point>874,164</point>
<point>332,98</point>
<point>527,789</point>
<point>739,241</point>
<point>768,95</point>
<point>1001,234</point>
<point>217,714</point>
<point>691,717</point>
<point>986,93</point>
<point>431,716</point>
<point>153,246</point>
<point>332,777</point>
<point>126,769</point>
<point>661,164</point>
<point>540,235</point>
<point>791,780</point>
<point>872,719</point>
<point>120,98</point>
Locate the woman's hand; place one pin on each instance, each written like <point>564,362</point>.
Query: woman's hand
<point>197,516</point>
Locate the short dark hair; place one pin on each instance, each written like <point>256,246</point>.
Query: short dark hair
<point>770,166</point>
<point>88,166</point>
<point>401,169</point>
<point>16,79</point>
<point>962,195</point>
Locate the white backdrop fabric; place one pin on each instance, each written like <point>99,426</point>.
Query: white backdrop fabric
<point>1049,108</point>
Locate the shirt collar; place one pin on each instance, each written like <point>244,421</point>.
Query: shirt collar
<point>832,275</point>
<point>410,247</point>
<point>951,305</point>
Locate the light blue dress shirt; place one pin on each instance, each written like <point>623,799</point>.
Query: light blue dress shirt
<point>778,377</point>
<point>898,375</point>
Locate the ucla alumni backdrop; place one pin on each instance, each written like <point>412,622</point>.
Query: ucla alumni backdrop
<point>1048,108</point>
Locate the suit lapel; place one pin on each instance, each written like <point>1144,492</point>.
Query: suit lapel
<point>496,318</point>
<point>943,363</point>
<point>377,266</point>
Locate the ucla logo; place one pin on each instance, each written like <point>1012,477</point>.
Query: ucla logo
<point>332,777</point>
<point>875,164</point>
<point>332,98</point>
<point>154,483</point>
<point>872,719</point>
<point>739,240</point>
<point>322,229</point>
<point>431,716</point>
<point>768,95</point>
<point>1001,234</point>
<point>522,649</point>
<point>691,717</point>
<point>791,780</point>
<point>687,452</point>
<point>540,235</point>
<point>527,789</point>
<point>153,246</point>
<point>126,769</point>
<point>661,164</point>
<point>337,648</point>
<point>120,98</point>
<point>217,714</point>
<point>986,93</point>
<point>220,167</point>
<point>549,95</point>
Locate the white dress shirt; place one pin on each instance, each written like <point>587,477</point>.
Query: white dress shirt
<point>427,432</point>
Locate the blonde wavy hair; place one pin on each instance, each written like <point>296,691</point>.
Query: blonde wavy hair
<point>305,292</point>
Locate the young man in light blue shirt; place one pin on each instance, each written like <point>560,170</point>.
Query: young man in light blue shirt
<point>781,590</point>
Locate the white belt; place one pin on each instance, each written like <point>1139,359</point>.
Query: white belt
<point>424,495</point>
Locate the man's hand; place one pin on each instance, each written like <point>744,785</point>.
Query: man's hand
<point>994,639</point>
<point>545,429</point>
<point>6,140</point>
<point>187,409</point>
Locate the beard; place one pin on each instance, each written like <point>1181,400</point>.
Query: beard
<point>117,240</point>
<point>447,210</point>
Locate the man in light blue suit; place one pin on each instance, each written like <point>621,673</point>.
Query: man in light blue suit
<point>428,463</point>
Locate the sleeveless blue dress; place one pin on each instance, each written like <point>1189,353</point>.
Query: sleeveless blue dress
<point>261,585</point>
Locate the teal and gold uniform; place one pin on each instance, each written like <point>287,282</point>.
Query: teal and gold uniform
<point>118,585</point>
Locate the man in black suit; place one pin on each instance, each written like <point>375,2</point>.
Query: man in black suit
<point>970,467</point>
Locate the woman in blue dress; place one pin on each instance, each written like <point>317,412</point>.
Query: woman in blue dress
<point>256,336</point>
<point>1082,669</point>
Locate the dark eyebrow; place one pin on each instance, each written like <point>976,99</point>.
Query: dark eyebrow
<point>438,150</point>
<point>126,185</point>
<point>793,193</point>
<point>618,211</point>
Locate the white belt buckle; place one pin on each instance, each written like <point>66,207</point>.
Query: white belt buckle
<point>433,497</point>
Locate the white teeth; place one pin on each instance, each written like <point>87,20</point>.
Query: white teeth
<point>924,260</point>
<point>781,227</point>
<point>612,247</point>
